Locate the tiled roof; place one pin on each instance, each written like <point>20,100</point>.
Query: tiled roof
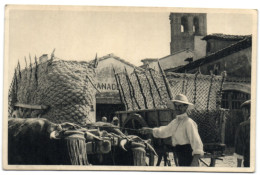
<point>144,66</point>
<point>187,50</point>
<point>117,58</point>
<point>149,59</point>
<point>174,69</point>
<point>221,36</point>
<point>243,44</point>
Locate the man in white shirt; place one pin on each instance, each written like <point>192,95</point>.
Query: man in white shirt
<point>183,132</point>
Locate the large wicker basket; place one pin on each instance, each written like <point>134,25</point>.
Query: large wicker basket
<point>65,87</point>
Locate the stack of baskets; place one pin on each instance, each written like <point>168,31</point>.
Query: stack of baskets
<point>66,87</point>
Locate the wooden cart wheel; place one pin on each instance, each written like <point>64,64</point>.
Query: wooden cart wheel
<point>131,126</point>
<point>133,123</point>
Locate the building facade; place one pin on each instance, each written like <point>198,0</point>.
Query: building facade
<point>232,54</point>
<point>108,99</point>
<point>186,32</point>
<point>193,50</point>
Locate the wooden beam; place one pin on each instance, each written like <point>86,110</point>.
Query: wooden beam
<point>141,89</point>
<point>168,89</point>
<point>121,98</point>
<point>209,93</point>
<point>195,88</point>
<point>122,90</point>
<point>155,84</point>
<point>131,87</point>
<point>151,90</point>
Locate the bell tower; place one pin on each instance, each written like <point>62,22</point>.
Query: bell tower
<point>184,28</point>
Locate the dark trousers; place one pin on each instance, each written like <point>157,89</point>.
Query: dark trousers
<point>183,154</point>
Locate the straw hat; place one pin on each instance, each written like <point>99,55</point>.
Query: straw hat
<point>246,103</point>
<point>180,98</point>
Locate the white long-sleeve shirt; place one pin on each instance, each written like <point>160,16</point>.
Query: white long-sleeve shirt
<point>183,130</point>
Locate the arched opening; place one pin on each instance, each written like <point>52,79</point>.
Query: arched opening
<point>232,99</point>
<point>196,25</point>
<point>184,24</point>
<point>182,29</point>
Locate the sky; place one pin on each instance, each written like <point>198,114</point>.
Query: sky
<point>80,35</point>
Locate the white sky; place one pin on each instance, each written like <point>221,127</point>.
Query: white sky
<point>80,35</point>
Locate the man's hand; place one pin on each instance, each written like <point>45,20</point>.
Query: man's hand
<point>146,130</point>
<point>195,160</point>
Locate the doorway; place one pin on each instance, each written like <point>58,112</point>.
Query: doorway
<point>232,100</point>
<point>108,110</point>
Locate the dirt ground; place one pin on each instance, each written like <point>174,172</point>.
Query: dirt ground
<point>227,161</point>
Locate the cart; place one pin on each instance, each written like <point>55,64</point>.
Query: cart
<point>132,121</point>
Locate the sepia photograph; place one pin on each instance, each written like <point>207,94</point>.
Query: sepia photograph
<point>129,88</point>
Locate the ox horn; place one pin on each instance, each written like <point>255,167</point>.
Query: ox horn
<point>122,144</point>
<point>90,136</point>
<point>151,149</point>
<point>136,144</point>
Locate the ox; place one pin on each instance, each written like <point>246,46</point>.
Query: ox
<point>37,141</point>
<point>33,142</point>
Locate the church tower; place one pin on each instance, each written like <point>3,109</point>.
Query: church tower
<point>184,29</point>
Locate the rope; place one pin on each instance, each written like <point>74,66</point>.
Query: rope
<point>183,83</point>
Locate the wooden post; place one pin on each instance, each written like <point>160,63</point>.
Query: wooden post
<point>91,82</point>
<point>19,70</point>
<point>132,93</point>
<point>117,85</point>
<point>30,62</point>
<point>151,90</point>
<point>223,74</point>
<point>95,64</point>
<point>25,62</point>
<point>120,86</point>
<point>15,81</point>
<point>155,84</point>
<point>195,88</point>
<point>183,83</point>
<point>141,89</point>
<point>52,54</point>
<point>36,70</point>
<point>223,125</point>
<point>210,86</point>
<point>165,82</point>
<point>186,86</point>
